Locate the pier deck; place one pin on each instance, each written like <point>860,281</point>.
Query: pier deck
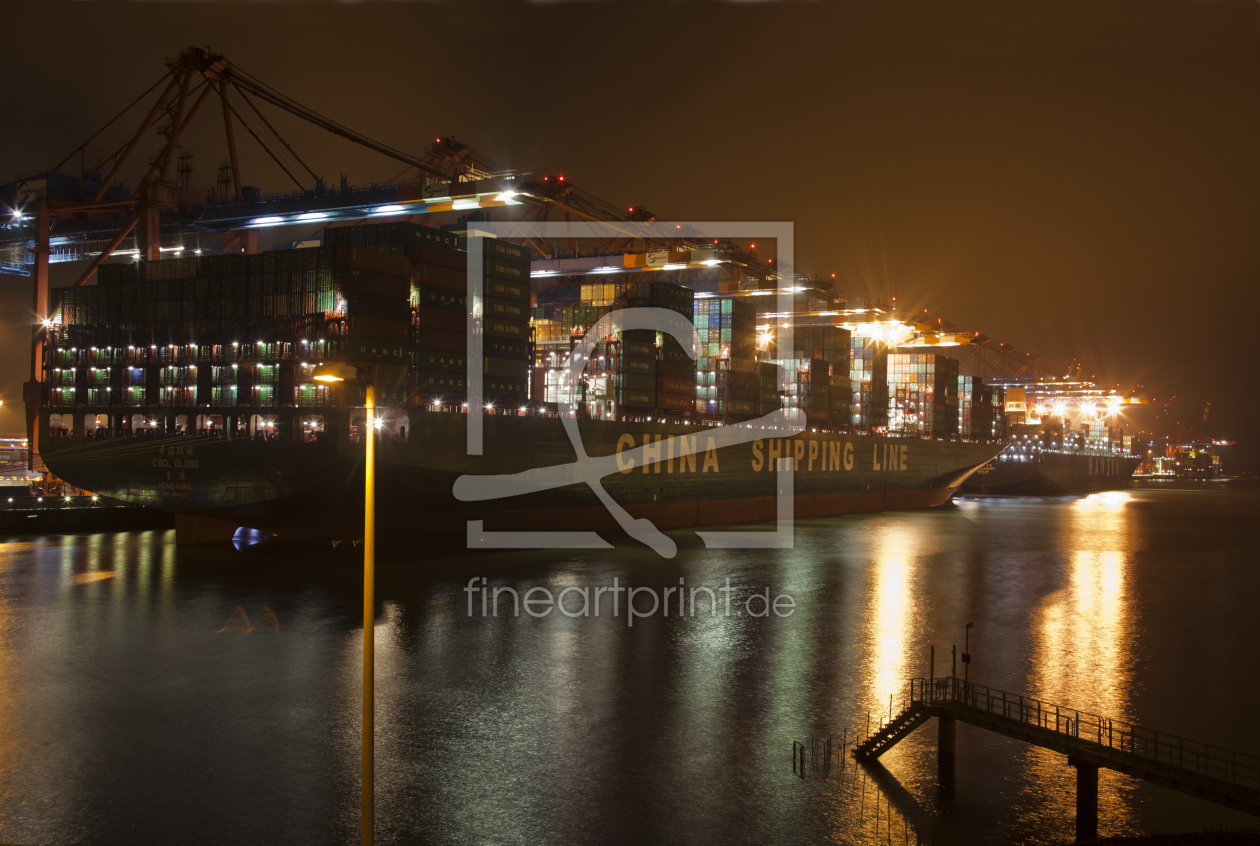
<point>1089,741</point>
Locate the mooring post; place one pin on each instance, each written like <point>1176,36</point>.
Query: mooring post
<point>946,731</point>
<point>1086,799</point>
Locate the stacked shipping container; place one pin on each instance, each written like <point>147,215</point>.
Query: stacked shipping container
<point>922,394</point>
<point>980,410</point>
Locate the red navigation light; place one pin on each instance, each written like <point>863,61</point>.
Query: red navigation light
<point>561,178</point>
<point>437,140</point>
<point>833,276</point>
<point>545,178</point>
<point>753,246</point>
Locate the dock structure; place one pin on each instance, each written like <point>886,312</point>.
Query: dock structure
<point>1089,741</point>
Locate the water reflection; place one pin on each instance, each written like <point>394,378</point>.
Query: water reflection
<point>890,622</point>
<point>1084,632</point>
<point>1082,649</point>
<point>582,730</point>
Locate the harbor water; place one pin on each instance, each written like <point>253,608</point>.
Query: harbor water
<point>158,694</point>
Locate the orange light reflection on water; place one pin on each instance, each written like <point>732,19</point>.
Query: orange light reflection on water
<point>890,616</point>
<point>1082,642</point>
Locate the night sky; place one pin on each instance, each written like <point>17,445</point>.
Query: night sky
<point>1080,179</point>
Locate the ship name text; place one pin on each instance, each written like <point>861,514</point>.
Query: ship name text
<point>686,454</point>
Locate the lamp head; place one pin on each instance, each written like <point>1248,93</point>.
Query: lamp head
<point>337,371</point>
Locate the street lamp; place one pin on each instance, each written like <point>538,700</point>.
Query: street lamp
<point>966,656</point>
<point>340,372</point>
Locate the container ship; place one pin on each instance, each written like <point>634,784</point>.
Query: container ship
<point>1046,456</point>
<point>187,384</point>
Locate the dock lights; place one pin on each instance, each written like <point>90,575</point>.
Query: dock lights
<point>47,323</point>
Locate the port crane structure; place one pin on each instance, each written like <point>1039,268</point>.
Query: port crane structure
<point>56,218</point>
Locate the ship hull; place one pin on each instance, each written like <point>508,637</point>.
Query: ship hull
<point>315,489</point>
<point>1052,474</point>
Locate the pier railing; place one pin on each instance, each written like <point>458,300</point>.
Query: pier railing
<point>1122,742</point>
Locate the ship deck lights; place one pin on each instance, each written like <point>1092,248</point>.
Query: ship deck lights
<point>336,371</point>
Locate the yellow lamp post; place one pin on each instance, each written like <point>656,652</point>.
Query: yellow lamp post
<point>336,372</point>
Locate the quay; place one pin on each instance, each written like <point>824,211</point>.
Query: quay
<point>26,515</point>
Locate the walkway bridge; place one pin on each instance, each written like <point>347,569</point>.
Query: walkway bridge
<point>1089,741</point>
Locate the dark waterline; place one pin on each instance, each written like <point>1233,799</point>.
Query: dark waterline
<point>162,695</point>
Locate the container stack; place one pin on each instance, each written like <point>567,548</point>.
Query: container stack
<point>817,384</point>
<point>923,394</point>
<point>810,393</point>
<point>633,373</point>
<point>505,313</point>
<point>769,387</point>
<point>980,406</point>
<point>727,385</point>
<point>868,375</point>
<point>725,326</point>
<point>676,377</point>
<point>400,238</point>
<point>375,287</point>
<point>439,321</point>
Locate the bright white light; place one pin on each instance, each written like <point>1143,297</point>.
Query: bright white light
<point>711,262</point>
<point>674,267</point>
<point>312,216</point>
<point>506,198</point>
<point>263,221</point>
<point>466,204</point>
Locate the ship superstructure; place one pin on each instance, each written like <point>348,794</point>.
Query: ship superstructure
<point>1063,439</point>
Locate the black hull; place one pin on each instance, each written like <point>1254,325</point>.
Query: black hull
<point>315,489</point>
<point>1050,473</point>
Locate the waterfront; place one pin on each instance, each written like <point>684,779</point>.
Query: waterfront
<point>156,694</point>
